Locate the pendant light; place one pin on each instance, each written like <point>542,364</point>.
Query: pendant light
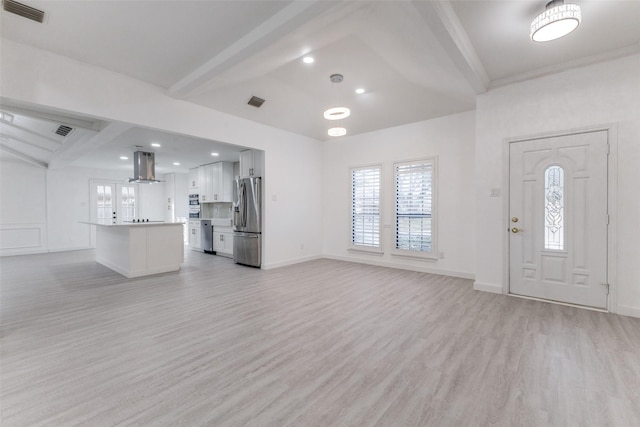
<point>556,21</point>
<point>337,114</point>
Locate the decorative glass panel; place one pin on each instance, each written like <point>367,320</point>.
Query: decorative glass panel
<point>128,203</point>
<point>554,208</point>
<point>365,207</point>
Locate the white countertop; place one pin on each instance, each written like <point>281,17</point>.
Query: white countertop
<point>134,224</point>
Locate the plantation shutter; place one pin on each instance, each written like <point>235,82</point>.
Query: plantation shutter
<point>365,207</point>
<point>414,206</point>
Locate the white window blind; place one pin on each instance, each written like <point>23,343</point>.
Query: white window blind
<point>415,206</point>
<point>365,207</point>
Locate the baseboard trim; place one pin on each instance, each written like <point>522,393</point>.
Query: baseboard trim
<point>627,310</point>
<point>286,263</point>
<point>75,248</point>
<point>487,287</point>
<point>422,269</point>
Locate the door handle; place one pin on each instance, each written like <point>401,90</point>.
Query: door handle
<point>516,230</point>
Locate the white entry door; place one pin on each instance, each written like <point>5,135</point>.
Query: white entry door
<point>558,218</point>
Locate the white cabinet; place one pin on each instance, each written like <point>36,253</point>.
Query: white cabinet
<point>194,235</point>
<point>215,182</point>
<point>193,180</point>
<point>251,163</point>
<point>223,241</point>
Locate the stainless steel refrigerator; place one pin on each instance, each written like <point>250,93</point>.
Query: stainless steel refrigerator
<point>247,221</point>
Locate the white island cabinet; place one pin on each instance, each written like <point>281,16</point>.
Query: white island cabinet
<point>135,250</point>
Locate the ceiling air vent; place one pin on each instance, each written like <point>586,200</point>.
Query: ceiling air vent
<point>23,10</point>
<point>256,102</point>
<point>63,130</point>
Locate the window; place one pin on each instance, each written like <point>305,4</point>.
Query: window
<point>415,207</point>
<point>104,204</point>
<point>554,208</point>
<point>128,203</point>
<point>365,208</point>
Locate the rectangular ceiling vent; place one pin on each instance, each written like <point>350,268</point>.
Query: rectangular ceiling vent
<point>23,10</point>
<point>256,102</point>
<point>64,130</point>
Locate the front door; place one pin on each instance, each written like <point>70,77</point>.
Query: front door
<point>558,218</point>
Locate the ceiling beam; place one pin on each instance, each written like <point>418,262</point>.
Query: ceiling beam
<point>6,137</point>
<point>23,156</point>
<point>446,26</point>
<point>73,150</point>
<point>286,20</point>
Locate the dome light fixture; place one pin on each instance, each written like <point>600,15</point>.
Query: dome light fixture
<point>556,21</point>
<point>337,131</point>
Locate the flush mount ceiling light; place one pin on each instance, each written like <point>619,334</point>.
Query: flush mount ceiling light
<point>556,21</point>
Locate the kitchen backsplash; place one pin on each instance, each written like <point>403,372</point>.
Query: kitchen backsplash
<point>215,210</point>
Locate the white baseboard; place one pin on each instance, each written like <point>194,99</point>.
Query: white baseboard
<point>422,269</point>
<point>74,248</point>
<point>487,287</point>
<point>626,310</point>
<point>26,251</point>
<point>271,266</point>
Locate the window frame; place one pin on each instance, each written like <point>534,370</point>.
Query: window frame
<point>433,253</point>
<point>362,248</point>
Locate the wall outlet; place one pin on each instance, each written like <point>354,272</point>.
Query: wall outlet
<point>495,192</point>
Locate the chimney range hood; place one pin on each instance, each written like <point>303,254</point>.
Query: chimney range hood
<point>144,168</point>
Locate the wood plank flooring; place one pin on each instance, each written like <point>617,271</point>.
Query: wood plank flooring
<point>323,343</point>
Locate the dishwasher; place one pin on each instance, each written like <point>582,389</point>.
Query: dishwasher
<point>206,236</point>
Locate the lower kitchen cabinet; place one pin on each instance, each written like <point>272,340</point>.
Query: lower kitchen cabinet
<point>223,241</point>
<point>194,235</point>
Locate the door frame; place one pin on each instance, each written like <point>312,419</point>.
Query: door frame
<point>612,206</point>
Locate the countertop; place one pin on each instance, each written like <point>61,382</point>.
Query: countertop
<point>134,224</point>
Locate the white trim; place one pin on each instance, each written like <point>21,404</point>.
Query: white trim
<point>627,310</point>
<point>289,262</point>
<point>612,195</point>
<point>566,304</point>
<point>488,287</point>
<point>389,264</point>
<point>36,247</point>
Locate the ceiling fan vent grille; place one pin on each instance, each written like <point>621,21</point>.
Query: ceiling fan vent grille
<point>64,130</point>
<point>23,10</point>
<point>256,102</point>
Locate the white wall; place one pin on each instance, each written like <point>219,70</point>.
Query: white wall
<point>23,207</point>
<point>600,94</point>
<point>37,77</point>
<point>452,139</point>
<point>68,196</point>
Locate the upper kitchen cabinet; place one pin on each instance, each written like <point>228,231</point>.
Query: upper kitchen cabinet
<point>215,182</point>
<point>251,163</point>
<point>193,179</point>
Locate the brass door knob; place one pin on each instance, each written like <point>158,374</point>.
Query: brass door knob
<point>515,230</point>
<point>514,219</point>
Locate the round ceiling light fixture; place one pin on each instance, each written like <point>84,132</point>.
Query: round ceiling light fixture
<point>337,113</point>
<point>337,131</point>
<point>556,21</point>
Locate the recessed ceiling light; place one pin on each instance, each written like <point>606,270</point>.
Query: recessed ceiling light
<point>155,144</point>
<point>124,158</point>
<point>360,91</point>
<point>176,163</point>
<point>215,154</point>
<point>308,59</point>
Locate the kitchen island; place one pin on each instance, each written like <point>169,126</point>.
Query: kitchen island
<point>140,249</point>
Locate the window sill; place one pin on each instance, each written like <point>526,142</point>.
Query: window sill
<point>366,251</point>
<point>415,256</point>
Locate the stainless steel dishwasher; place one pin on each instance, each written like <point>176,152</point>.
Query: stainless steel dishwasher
<point>206,235</point>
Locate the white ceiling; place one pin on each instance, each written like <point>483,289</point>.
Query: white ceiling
<point>416,59</point>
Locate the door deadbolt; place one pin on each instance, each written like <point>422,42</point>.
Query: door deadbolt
<point>514,219</point>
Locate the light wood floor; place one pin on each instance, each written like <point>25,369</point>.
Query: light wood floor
<point>324,343</point>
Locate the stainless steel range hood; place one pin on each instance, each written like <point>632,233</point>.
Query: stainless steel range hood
<point>144,168</point>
